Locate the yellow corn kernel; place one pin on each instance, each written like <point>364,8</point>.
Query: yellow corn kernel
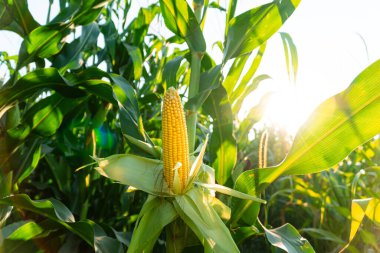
<point>175,145</point>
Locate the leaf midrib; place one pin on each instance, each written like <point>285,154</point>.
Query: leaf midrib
<point>292,159</point>
<point>250,30</point>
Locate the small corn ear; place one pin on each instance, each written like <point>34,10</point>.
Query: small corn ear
<point>175,145</point>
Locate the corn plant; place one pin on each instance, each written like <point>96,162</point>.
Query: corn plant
<point>91,161</point>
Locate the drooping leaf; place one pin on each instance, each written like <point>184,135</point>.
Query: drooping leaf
<point>16,237</point>
<point>291,56</point>
<point>42,42</point>
<point>71,55</point>
<point>88,11</point>
<point>52,209</point>
<point>22,230</point>
<point>44,117</point>
<point>138,28</point>
<point>322,235</point>
<point>180,19</point>
<point>340,123</point>
<point>252,28</point>
<point>333,130</point>
<point>69,85</point>
<point>57,212</point>
<point>16,17</point>
<point>216,6</point>
<point>287,238</point>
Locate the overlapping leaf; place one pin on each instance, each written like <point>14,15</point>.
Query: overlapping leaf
<point>180,19</point>
<point>252,28</point>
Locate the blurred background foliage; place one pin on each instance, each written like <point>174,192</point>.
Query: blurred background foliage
<point>87,83</point>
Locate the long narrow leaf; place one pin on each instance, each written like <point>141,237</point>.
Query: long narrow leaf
<point>334,129</point>
<point>252,28</point>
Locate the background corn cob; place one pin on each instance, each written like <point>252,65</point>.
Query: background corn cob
<point>174,139</point>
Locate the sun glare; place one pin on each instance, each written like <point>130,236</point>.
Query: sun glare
<point>287,107</point>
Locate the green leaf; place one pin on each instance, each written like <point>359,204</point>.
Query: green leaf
<point>16,17</point>
<point>45,41</point>
<point>234,73</point>
<point>252,28</point>
<point>130,118</point>
<point>291,56</point>
<point>5,189</point>
<point>180,19</point>
<point>69,85</point>
<point>230,14</point>
<point>209,81</point>
<point>53,209</point>
<point>137,60</point>
<point>322,234</point>
<point>71,54</point>
<point>29,160</point>
<point>287,238</point>
<point>140,172</point>
<point>154,216</point>
<point>216,6</point>
<point>42,42</point>
<point>147,147</point>
<point>169,75</point>
<point>17,237</point>
<point>88,11</point>
<point>196,212</point>
<point>333,130</point>
<point>22,230</point>
<point>49,208</point>
<point>228,191</point>
<point>341,123</point>
<point>44,117</point>
<point>61,172</point>
<point>238,101</point>
<point>241,233</point>
<point>242,85</point>
<point>223,152</point>
<point>138,29</point>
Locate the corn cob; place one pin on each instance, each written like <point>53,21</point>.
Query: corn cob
<point>174,142</point>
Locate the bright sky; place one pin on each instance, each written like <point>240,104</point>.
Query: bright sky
<point>329,36</point>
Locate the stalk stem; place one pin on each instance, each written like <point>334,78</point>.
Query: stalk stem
<point>191,114</point>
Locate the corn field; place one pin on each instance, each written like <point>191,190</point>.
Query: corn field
<point>120,132</point>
